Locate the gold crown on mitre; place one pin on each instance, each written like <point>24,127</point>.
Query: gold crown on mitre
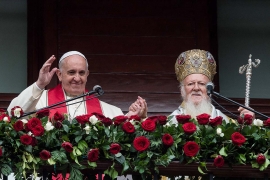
<point>195,61</point>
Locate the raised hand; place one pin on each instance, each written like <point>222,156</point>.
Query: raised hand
<point>45,75</point>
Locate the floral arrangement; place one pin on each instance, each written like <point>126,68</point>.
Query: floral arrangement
<point>140,145</point>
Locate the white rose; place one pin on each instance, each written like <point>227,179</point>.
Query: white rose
<point>48,126</point>
<point>93,119</point>
<point>258,122</point>
<point>219,132</point>
<point>24,121</point>
<point>87,129</point>
<point>17,112</point>
<point>6,119</point>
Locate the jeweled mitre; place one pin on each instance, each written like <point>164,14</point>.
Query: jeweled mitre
<point>195,61</point>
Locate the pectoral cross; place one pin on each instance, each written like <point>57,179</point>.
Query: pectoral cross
<point>248,69</point>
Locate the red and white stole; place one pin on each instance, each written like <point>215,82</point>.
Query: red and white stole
<point>56,95</point>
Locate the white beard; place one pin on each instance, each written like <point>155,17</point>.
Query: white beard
<point>195,109</point>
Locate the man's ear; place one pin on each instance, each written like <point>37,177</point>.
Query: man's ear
<point>59,75</point>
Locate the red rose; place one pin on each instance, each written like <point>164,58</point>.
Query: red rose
<point>1,152</point>
<point>18,125</point>
<point>203,119</point>
<point>34,142</point>
<point>167,140</point>
<point>191,148</point>
<point>33,122</point>
<point>149,125</point>
<point>216,121</point>
<point>119,119</point>
<point>115,148</point>
<point>92,155</point>
<point>238,139</point>
<point>153,118</point>
<point>2,111</point>
<point>58,125</point>
<point>141,143</point>
<point>106,121</point>
<point>4,117</point>
<point>260,159</point>
<point>246,119</point>
<point>128,128</point>
<point>267,122</point>
<point>182,119</point>
<point>240,120</point>
<point>134,117</point>
<point>98,115</point>
<point>13,112</point>
<point>43,113</point>
<point>83,118</point>
<point>219,161</point>
<point>162,120</point>
<point>38,130</point>
<point>45,155</point>
<point>67,146</point>
<point>189,128</point>
<point>58,117</point>
<point>26,139</point>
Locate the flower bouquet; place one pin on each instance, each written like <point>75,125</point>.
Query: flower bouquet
<point>140,145</point>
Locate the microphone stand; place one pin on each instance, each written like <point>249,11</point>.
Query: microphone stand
<point>65,101</point>
<point>241,105</point>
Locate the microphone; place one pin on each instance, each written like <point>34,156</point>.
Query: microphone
<point>209,86</point>
<point>98,89</point>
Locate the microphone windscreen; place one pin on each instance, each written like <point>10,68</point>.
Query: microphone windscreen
<point>210,85</point>
<point>96,88</point>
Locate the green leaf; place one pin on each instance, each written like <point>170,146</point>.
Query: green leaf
<point>75,174</point>
<point>268,134</point>
<point>78,166</point>
<point>222,152</point>
<point>121,159</point>
<point>243,157</point>
<point>200,170</point>
<point>92,164</point>
<point>65,138</point>
<point>125,166</point>
<point>254,164</point>
<point>66,128</point>
<point>118,155</point>
<point>256,136</point>
<point>111,172</point>
<point>5,169</point>
<point>82,145</point>
<point>78,138</point>
<point>59,156</point>
<point>28,148</point>
<point>265,165</point>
